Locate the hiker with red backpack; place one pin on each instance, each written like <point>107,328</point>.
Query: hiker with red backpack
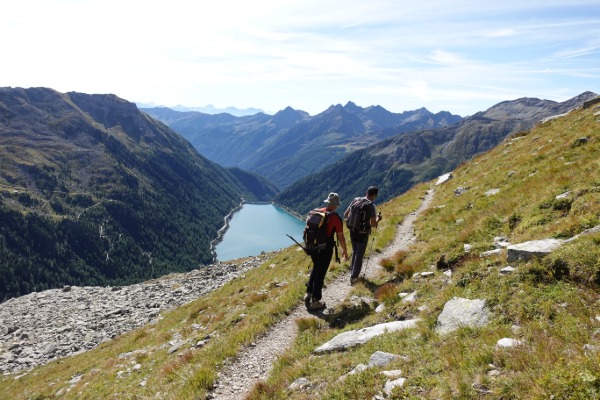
<point>323,225</point>
<point>361,216</point>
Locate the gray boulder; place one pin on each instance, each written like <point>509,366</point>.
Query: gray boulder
<point>361,336</point>
<point>381,358</point>
<point>535,248</point>
<point>460,312</point>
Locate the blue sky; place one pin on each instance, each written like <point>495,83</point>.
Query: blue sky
<point>459,56</point>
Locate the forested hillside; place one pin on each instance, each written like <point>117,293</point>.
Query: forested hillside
<point>94,192</point>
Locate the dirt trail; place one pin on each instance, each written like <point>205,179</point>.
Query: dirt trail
<point>255,362</point>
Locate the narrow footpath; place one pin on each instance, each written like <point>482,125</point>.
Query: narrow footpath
<point>255,362</point>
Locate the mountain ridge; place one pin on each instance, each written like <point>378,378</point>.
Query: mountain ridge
<point>399,162</point>
<point>285,153</point>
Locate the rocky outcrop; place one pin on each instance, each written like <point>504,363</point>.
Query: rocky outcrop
<point>535,248</point>
<point>459,313</point>
<point>361,336</point>
<point>44,326</point>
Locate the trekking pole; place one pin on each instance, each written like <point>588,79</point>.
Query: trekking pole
<point>368,258</point>
<point>370,251</point>
<point>302,247</point>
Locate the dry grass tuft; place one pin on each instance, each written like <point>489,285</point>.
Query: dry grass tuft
<point>254,298</point>
<point>387,263</point>
<point>309,324</point>
<point>182,360</point>
<point>386,293</point>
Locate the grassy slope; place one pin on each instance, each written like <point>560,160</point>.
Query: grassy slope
<point>550,304</point>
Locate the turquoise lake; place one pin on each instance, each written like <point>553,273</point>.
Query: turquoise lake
<point>256,228</point>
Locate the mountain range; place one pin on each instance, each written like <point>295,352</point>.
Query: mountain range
<point>398,163</point>
<point>292,144</point>
<point>94,191</point>
<point>209,109</point>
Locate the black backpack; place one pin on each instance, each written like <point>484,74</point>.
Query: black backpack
<point>358,219</point>
<point>315,232</point>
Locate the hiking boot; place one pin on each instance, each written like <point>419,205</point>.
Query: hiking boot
<point>353,281</point>
<point>317,305</point>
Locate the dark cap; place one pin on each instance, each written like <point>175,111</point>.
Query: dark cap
<point>372,190</point>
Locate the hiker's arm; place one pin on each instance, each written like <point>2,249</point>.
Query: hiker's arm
<point>342,242</point>
<point>347,213</point>
<point>375,221</point>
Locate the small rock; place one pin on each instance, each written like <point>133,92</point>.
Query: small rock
<point>380,358</point>
<point>393,374</point>
<point>460,190</point>
<point>508,343</point>
<point>391,385</point>
<point>300,384</point>
<point>507,270</point>
<point>380,308</point>
<point>444,178</point>
<point>491,253</point>
<point>590,348</point>
<point>409,297</point>
<point>50,348</point>
<point>581,141</point>
<point>358,369</point>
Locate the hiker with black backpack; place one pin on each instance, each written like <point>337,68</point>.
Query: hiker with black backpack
<point>322,226</point>
<point>361,216</point>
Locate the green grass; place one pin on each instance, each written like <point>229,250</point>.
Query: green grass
<point>550,304</point>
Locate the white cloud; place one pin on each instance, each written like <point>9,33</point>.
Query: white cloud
<point>462,57</point>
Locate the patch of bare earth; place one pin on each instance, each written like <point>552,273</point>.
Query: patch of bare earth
<point>254,363</point>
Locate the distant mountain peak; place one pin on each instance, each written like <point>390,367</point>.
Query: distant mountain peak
<point>351,106</point>
<point>208,109</point>
<point>288,117</point>
<point>287,110</point>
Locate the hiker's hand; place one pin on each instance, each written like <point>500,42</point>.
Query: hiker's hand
<point>345,255</point>
<point>378,217</point>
